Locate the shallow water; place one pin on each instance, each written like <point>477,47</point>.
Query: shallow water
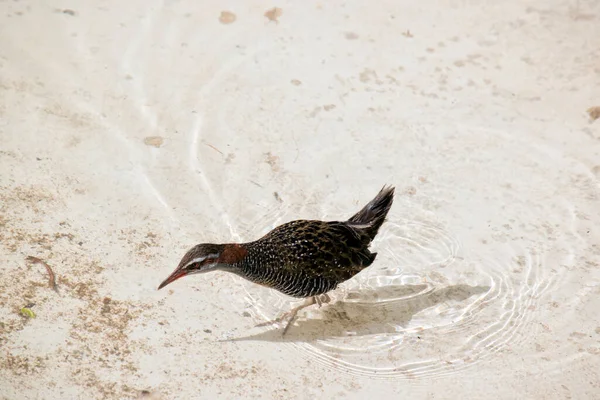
<point>130,133</point>
<point>476,291</point>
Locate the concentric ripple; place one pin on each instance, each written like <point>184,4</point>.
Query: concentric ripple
<point>464,258</point>
<point>432,304</point>
<point>407,316</point>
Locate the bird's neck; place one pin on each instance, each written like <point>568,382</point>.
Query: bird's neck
<point>233,255</point>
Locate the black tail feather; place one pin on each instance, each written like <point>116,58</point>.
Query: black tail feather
<point>372,216</point>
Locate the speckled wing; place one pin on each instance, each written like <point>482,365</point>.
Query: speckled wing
<point>333,251</point>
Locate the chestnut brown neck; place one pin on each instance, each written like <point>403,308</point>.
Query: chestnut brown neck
<point>232,253</point>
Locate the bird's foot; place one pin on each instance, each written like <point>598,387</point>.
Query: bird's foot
<point>293,313</point>
<point>276,320</point>
<point>322,299</point>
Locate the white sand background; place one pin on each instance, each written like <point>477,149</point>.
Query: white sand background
<point>132,130</point>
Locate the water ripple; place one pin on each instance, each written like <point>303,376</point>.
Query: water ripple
<point>394,319</point>
<point>431,304</point>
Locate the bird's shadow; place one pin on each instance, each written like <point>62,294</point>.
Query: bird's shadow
<point>365,312</point>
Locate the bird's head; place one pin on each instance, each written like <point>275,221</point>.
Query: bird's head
<point>204,258</point>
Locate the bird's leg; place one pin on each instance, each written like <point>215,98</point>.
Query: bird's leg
<point>293,313</point>
<point>319,299</point>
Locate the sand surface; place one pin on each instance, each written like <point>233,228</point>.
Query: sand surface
<point>130,131</point>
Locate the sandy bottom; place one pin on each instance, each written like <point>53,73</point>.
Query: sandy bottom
<point>130,131</point>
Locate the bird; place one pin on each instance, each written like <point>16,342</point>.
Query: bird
<point>302,258</point>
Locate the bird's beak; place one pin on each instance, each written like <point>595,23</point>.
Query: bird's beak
<point>179,273</point>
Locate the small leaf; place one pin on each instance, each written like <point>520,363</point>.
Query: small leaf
<point>27,312</point>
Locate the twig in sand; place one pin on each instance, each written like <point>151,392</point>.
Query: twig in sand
<point>51,278</point>
<point>214,148</point>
